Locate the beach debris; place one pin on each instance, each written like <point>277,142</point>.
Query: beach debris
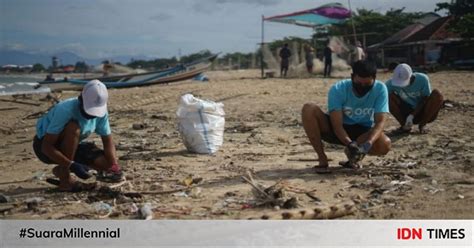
<point>4,198</point>
<point>195,192</point>
<point>146,212</point>
<point>33,202</point>
<point>274,195</point>
<point>319,212</point>
<point>180,194</point>
<point>39,175</point>
<point>133,208</point>
<point>189,180</point>
<point>312,196</point>
<point>460,197</point>
<point>21,102</point>
<point>103,209</point>
<point>408,165</point>
<point>161,117</point>
<point>8,108</point>
<point>139,126</point>
<point>432,190</point>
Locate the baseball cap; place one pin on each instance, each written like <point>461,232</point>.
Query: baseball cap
<point>94,97</point>
<point>401,75</point>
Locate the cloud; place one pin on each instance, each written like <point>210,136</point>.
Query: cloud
<point>255,2</point>
<point>210,6</point>
<point>161,17</point>
<point>13,46</point>
<point>77,48</point>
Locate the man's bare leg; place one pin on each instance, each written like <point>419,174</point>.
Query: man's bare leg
<point>430,111</point>
<point>69,140</point>
<point>315,123</point>
<point>394,104</point>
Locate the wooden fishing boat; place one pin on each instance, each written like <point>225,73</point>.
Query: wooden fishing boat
<point>173,74</point>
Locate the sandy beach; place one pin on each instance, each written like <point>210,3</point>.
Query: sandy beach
<point>425,176</point>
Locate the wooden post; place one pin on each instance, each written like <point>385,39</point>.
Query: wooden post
<point>261,47</point>
<point>352,21</point>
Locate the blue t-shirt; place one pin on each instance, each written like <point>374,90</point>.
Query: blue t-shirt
<point>414,92</point>
<point>58,117</point>
<point>358,110</point>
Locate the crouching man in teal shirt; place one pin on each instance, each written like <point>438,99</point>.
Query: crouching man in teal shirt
<point>411,99</point>
<point>357,112</point>
<point>60,134</point>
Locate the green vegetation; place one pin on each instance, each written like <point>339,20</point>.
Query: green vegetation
<point>463,13</point>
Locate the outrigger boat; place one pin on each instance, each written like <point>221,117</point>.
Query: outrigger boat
<point>173,74</point>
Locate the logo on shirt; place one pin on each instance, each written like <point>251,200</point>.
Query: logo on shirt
<point>350,112</point>
<point>406,95</point>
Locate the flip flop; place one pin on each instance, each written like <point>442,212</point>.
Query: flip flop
<point>322,170</point>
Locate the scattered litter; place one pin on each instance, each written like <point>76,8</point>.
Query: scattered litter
<point>146,212</point>
<point>4,198</point>
<point>460,197</point>
<point>195,192</point>
<point>102,208</point>
<point>139,126</point>
<point>33,202</point>
<point>408,165</point>
<point>39,175</point>
<point>180,194</point>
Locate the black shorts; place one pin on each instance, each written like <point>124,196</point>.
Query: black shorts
<point>86,152</point>
<point>354,131</point>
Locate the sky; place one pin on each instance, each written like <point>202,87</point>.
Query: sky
<point>157,28</point>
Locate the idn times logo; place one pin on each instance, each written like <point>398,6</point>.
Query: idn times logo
<point>348,111</point>
<point>405,233</point>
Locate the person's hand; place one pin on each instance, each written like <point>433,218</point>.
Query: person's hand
<point>365,147</point>
<point>80,170</point>
<point>408,122</point>
<point>354,152</point>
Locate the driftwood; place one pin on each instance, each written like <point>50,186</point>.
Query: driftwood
<point>274,195</point>
<point>328,212</point>
<point>34,115</point>
<point>157,192</point>
<point>8,108</point>
<point>305,159</point>
<point>21,102</point>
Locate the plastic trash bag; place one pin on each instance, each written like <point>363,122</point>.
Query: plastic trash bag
<point>201,124</point>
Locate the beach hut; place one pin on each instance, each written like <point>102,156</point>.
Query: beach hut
<point>424,45</point>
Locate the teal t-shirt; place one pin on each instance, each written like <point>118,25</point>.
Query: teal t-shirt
<point>414,92</point>
<point>358,110</point>
<point>57,118</point>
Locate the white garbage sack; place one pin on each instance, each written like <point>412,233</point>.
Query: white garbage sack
<point>201,124</point>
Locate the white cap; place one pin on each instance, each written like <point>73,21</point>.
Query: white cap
<point>401,75</point>
<point>94,97</point>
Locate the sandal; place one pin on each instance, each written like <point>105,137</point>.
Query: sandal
<point>110,176</point>
<point>349,165</point>
<point>322,169</point>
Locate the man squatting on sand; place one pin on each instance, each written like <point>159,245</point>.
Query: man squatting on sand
<point>411,99</point>
<point>357,112</point>
<point>60,134</point>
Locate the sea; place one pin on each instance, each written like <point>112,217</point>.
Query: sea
<point>17,84</point>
